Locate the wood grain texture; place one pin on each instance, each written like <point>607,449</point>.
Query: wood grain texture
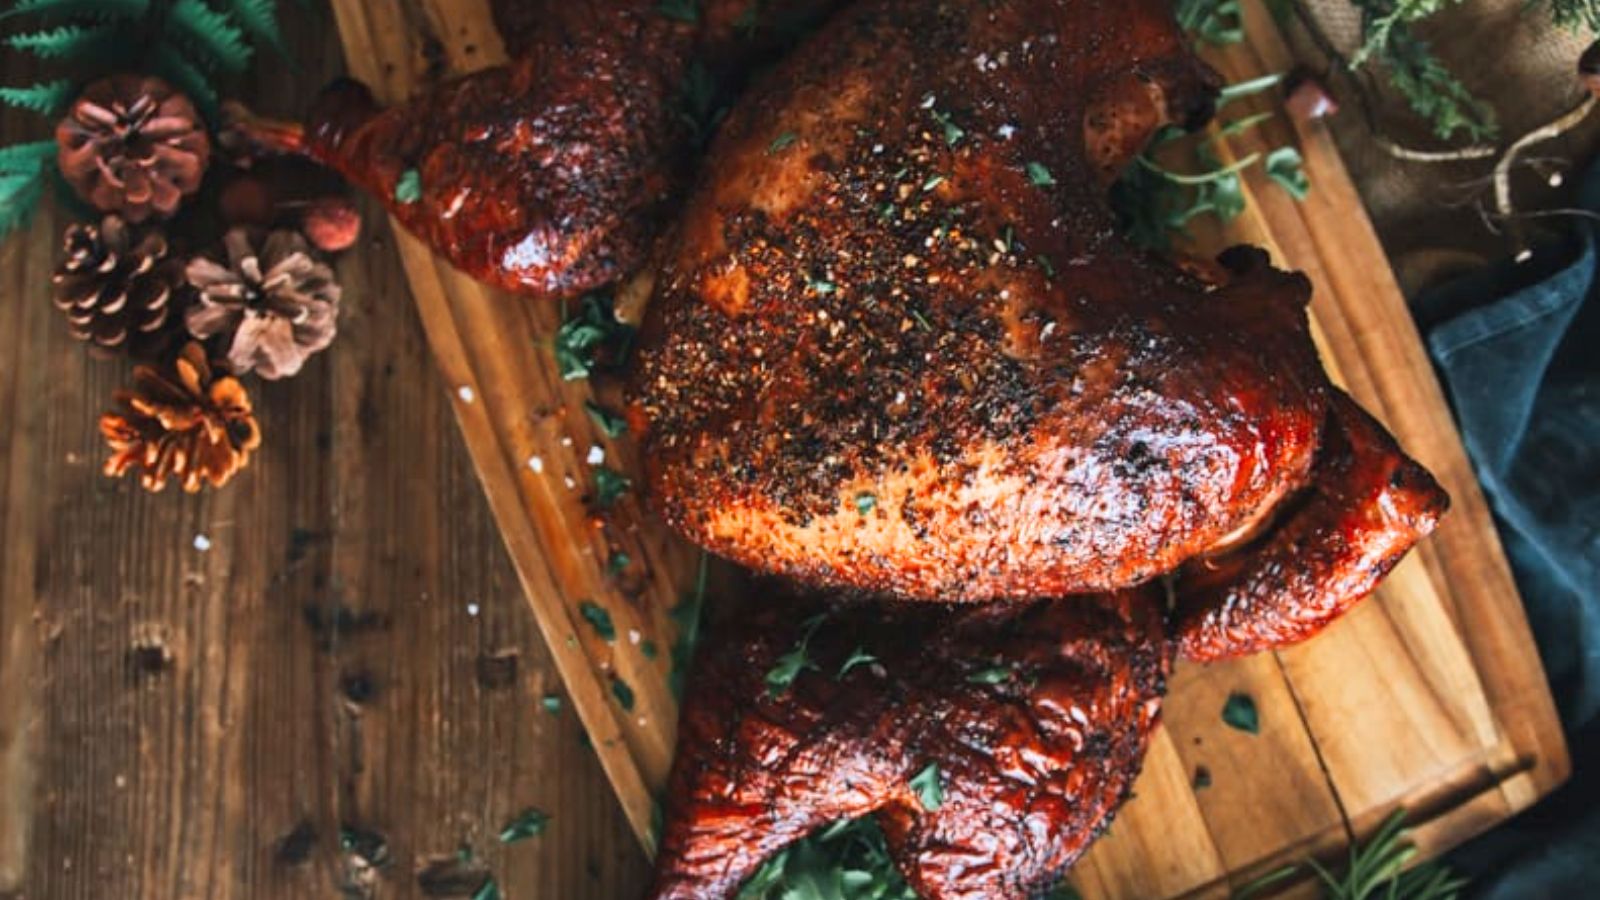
<point>353,650</point>
<point>1429,696</point>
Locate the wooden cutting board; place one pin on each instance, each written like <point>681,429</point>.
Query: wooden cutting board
<point>1429,696</point>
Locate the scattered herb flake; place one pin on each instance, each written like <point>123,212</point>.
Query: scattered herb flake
<point>551,704</point>
<point>599,619</point>
<point>932,182</point>
<point>1048,266</point>
<point>623,693</point>
<point>789,666</point>
<point>618,562</point>
<point>649,649</point>
<point>1202,778</point>
<point>528,823</point>
<point>680,10</point>
<point>858,657</point>
<point>582,337</point>
<point>823,286</point>
<point>782,142</point>
<point>953,133</point>
<point>1240,713</point>
<point>1287,168</point>
<point>408,189</point>
<point>991,675</point>
<point>930,793</point>
<point>687,616</point>
<point>609,486</point>
<point>1040,176</point>
<point>866,502</point>
<point>609,423</point>
<point>922,321</point>
<point>489,890</point>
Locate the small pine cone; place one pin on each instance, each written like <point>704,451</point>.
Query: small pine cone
<point>181,423</point>
<point>116,284</point>
<point>274,306</point>
<point>133,145</point>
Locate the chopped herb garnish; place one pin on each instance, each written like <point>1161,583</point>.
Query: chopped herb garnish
<point>551,704</point>
<point>609,486</point>
<point>618,562</point>
<point>599,619</point>
<point>922,321</point>
<point>581,338</point>
<point>932,182</point>
<point>930,793</point>
<point>408,189</point>
<point>1202,778</point>
<point>823,286</point>
<point>848,860</point>
<point>858,657</point>
<point>866,503</point>
<point>687,616</point>
<point>1240,712</point>
<point>609,423</point>
<point>991,675</point>
<point>623,693</point>
<point>649,649</point>
<point>953,133</point>
<point>789,666</point>
<point>1286,167</point>
<point>680,10</point>
<point>528,823</point>
<point>1048,266</point>
<point>1008,239</point>
<point>782,142</point>
<point>1040,176</point>
<point>489,890</point>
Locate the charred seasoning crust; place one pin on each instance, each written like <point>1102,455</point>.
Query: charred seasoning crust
<point>889,298</point>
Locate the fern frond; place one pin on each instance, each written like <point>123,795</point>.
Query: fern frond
<point>47,99</point>
<point>22,159</point>
<point>167,62</point>
<point>1380,19</point>
<point>210,35</point>
<point>259,19</point>
<point>66,42</point>
<point>98,10</point>
<point>19,197</point>
<point>1574,15</point>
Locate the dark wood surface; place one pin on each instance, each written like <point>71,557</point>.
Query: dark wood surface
<point>351,652</point>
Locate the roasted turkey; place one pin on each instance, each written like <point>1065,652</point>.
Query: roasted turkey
<point>899,358</point>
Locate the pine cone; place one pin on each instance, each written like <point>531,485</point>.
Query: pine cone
<point>116,284</point>
<point>274,306</point>
<point>182,424</point>
<point>132,144</point>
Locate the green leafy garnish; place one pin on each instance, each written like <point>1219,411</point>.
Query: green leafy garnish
<point>583,337</point>
<point>1215,22</point>
<point>551,703</point>
<point>489,890</point>
<point>1239,712</point>
<point>609,423</point>
<point>1376,869</point>
<point>953,133</point>
<point>782,142</point>
<point>623,693</point>
<point>609,486</point>
<point>528,823</point>
<point>789,666</point>
<point>847,860</point>
<point>648,649</point>
<point>1039,175</point>
<point>686,614</point>
<point>932,182</point>
<point>599,619</point>
<point>858,657</point>
<point>991,675</point>
<point>930,793</point>
<point>408,189</point>
<point>1286,167</point>
<point>618,563</point>
<point>866,502</point>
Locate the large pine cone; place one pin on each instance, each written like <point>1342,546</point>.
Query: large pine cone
<point>274,306</point>
<point>182,423</point>
<point>116,285</point>
<point>132,144</point>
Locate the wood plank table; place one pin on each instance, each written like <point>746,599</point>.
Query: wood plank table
<point>353,651</point>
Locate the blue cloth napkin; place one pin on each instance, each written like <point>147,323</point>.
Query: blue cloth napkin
<point>1518,348</point>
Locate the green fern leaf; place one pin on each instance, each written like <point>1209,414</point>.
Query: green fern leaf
<point>47,99</point>
<point>210,35</point>
<point>24,159</point>
<point>98,10</point>
<point>66,42</point>
<point>19,196</point>
<point>259,19</point>
<point>182,74</point>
